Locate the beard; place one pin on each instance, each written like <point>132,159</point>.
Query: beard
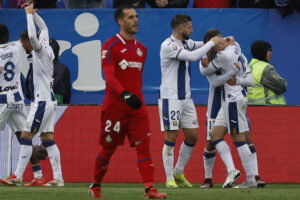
<point>131,30</point>
<point>185,36</point>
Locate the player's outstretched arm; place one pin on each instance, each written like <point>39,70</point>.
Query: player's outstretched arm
<point>31,28</point>
<point>42,26</point>
<point>217,80</point>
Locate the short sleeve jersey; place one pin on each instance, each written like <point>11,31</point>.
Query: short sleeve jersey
<point>224,61</point>
<point>175,74</point>
<point>126,59</point>
<point>10,82</point>
<point>41,73</point>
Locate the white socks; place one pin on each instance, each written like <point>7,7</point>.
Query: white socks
<point>168,159</point>
<point>54,157</point>
<point>224,151</point>
<point>209,158</point>
<point>254,155</point>
<point>185,154</point>
<point>24,157</point>
<point>247,159</point>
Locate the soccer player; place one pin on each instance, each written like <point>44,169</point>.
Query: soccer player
<point>232,116</point>
<point>123,110</point>
<point>176,107</point>
<point>214,103</point>
<point>42,113</point>
<point>12,107</point>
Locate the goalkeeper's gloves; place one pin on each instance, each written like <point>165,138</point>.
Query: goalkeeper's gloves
<point>131,99</point>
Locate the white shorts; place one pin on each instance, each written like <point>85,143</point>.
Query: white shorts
<point>41,117</point>
<point>176,114</point>
<point>13,114</point>
<point>210,122</point>
<point>233,115</point>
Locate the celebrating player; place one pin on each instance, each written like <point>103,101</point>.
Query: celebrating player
<point>123,110</point>
<point>176,107</point>
<point>232,115</point>
<point>42,112</point>
<point>12,107</point>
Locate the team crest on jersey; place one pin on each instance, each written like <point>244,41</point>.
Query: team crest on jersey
<point>139,52</point>
<point>108,138</point>
<point>194,122</point>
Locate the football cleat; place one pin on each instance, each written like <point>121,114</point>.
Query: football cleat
<point>181,181</point>
<point>37,182</point>
<point>260,183</point>
<point>153,194</point>
<point>12,181</point>
<point>54,183</point>
<point>246,184</point>
<point>207,183</point>
<point>231,178</point>
<point>171,184</point>
<point>95,192</point>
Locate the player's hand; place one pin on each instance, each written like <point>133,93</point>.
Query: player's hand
<point>232,81</point>
<point>1,69</point>
<point>29,9</point>
<point>131,99</point>
<point>230,39</point>
<point>236,65</point>
<point>218,40</point>
<point>205,62</point>
<point>161,3</point>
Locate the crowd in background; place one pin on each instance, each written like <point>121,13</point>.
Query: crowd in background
<point>285,6</point>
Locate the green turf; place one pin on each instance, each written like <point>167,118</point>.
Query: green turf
<point>127,191</point>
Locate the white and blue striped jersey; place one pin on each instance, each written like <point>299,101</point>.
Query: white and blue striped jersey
<point>215,99</point>
<point>176,74</point>
<point>224,61</point>
<point>10,78</point>
<point>41,73</point>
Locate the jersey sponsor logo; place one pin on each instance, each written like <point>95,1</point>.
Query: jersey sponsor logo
<point>123,50</point>
<point>6,55</point>
<point>14,106</point>
<point>5,89</point>
<point>139,52</point>
<point>104,52</point>
<point>124,64</point>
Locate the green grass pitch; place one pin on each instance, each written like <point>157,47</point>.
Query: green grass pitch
<point>134,191</point>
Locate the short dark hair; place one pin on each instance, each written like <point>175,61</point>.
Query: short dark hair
<point>24,35</point>
<point>259,49</point>
<point>4,34</point>
<point>180,19</point>
<point>210,34</point>
<point>55,46</point>
<point>119,11</point>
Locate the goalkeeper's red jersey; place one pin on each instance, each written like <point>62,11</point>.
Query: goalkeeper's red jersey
<point>122,63</point>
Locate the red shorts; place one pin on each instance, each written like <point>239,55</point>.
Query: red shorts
<point>114,127</point>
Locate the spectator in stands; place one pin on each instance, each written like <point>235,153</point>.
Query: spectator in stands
<point>286,7</point>
<point>61,76</point>
<point>269,86</point>
<point>256,4</point>
<point>45,3</point>
<point>85,3</point>
<point>212,4</point>
<point>133,3</point>
<point>168,3</point>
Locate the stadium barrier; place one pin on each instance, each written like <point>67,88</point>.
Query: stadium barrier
<point>275,134</point>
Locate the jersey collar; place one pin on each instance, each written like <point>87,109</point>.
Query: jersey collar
<point>124,40</point>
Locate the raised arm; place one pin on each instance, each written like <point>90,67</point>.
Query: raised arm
<point>31,28</point>
<point>42,26</point>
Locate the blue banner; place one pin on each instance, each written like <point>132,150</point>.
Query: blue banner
<point>82,32</point>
